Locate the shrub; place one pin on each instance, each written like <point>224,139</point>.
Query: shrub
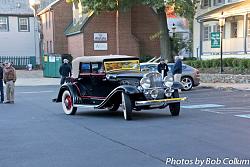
<point>145,58</point>
<point>216,63</point>
<point>228,62</point>
<point>189,58</point>
<point>196,64</point>
<point>238,64</point>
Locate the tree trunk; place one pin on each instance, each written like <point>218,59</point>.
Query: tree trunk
<point>164,38</point>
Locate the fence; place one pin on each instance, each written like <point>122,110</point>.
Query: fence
<point>19,62</point>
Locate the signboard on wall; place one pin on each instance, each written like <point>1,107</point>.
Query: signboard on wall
<point>215,40</point>
<point>100,46</point>
<point>100,37</point>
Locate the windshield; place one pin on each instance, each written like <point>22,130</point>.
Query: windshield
<point>121,66</point>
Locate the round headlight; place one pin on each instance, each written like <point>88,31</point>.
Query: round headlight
<point>168,81</point>
<point>145,83</point>
<point>154,93</point>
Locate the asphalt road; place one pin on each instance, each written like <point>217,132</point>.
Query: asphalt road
<point>36,133</point>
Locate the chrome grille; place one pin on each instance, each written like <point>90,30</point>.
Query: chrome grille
<point>155,79</point>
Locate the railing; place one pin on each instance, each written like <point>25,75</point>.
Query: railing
<point>19,62</point>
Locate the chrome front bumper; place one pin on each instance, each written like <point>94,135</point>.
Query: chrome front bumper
<point>156,102</point>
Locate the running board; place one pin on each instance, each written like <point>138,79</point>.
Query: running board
<point>85,106</point>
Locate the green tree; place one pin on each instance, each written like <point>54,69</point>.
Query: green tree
<point>182,7</point>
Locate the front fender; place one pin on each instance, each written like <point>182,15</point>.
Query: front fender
<point>70,87</point>
<point>128,89</point>
<point>114,96</point>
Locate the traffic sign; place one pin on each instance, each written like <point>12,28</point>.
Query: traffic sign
<point>215,40</point>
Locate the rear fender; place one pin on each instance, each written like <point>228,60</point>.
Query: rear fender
<point>68,87</point>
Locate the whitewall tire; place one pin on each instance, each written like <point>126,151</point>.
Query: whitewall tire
<point>126,106</point>
<point>67,103</point>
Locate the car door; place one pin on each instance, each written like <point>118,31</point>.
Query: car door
<point>85,77</point>
<point>101,87</point>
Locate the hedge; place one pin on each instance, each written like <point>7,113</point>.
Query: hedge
<point>214,63</point>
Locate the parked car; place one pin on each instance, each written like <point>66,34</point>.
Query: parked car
<point>106,82</point>
<point>190,76</point>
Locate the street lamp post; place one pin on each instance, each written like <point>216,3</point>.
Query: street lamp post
<point>221,24</point>
<point>173,40</point>
<point>173,30</point>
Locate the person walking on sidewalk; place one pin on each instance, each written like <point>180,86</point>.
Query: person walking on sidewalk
<point>177,69</point>
<point>1,83</point>
<point>65,71</point>
<point>9,75</point>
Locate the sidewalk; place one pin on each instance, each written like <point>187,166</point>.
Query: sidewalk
<point>35,78</point>
<point>225,86</point>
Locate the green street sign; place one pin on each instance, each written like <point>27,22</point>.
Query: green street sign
<point>215,40</point>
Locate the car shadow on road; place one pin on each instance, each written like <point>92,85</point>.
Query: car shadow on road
<point>136,115</point>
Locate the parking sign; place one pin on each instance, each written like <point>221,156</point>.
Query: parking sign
<point>215,40</point>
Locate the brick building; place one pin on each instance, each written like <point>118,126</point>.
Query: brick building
<point>107,33</point>
<point>54,19</point>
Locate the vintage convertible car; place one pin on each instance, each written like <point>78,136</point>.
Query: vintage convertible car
<point>106,82</point>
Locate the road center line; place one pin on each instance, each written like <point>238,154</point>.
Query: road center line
<point>243,116</point>
<point>202,106</point>
<point>36,92</point>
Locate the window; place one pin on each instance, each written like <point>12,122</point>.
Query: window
<point>234,29</point>
<point>97,68</point>
<point>248,27</point>
<point>47,46</point>
<point>4,24</point>
<point>85,68</point>
<point>205,3</point>
<point>216,28</point>
<point>49,20</point>
<point>219,2</point>
<point>206,33</point>
<point>23,24</point>
<point>50,45</point>
<point>46,20</point>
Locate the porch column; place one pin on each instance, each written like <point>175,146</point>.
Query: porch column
<point>201,39</point>
<point>245,32</point>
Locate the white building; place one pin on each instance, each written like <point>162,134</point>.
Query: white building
<point>18,30</point>
<point>235,34</point>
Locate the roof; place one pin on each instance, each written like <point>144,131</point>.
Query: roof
<point>15,7</point>
<point>43,4</point>
<point>100,58</point>
<point>87,59</point>
<point>73,29</point>
<point>51,5</point>
<point>228,10</point>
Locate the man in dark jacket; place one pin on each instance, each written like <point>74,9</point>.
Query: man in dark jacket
<point>1,83</point>
<point>163,68</point>
<point>65,71</point>
<point>177,69</point>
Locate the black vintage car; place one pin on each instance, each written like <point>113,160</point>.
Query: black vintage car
<point>106,82</point>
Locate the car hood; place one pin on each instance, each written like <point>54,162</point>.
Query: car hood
<point>127,75</point>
